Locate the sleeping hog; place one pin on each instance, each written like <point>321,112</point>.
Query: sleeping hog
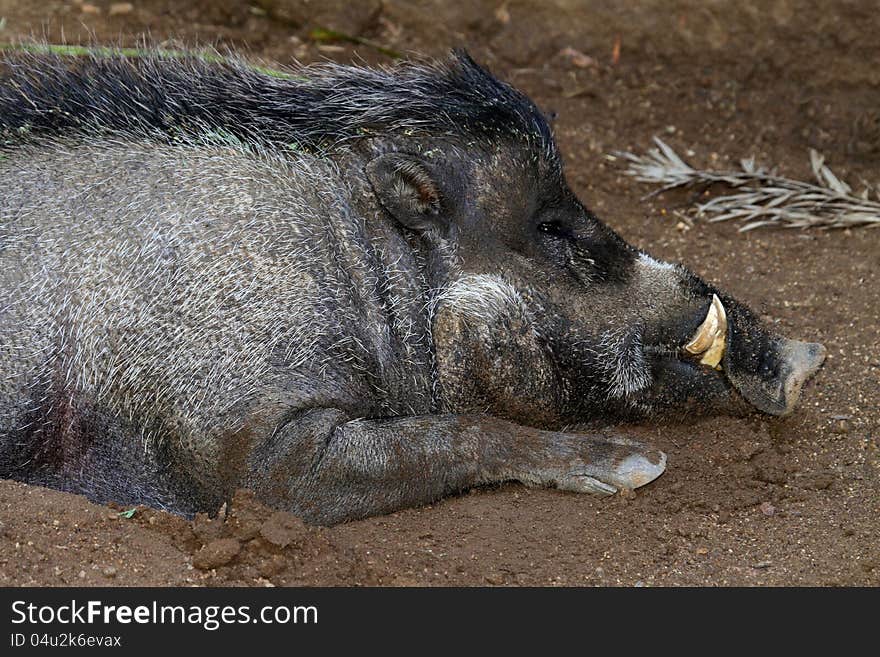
<point>351,290</point>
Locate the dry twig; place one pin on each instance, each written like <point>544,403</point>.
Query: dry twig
<point>760,197</point>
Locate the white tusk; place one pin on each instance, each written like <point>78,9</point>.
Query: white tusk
<point>710,340</point>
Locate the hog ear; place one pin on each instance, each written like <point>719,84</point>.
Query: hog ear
<point>406,186</point>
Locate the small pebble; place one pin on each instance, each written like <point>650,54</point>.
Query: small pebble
<point>577,58</point>
<point>841,427</point>
<point>109,571</point>
<point>767,509</point>
<point>121,8</point>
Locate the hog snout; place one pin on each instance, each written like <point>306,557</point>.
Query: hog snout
<point>769,372</point>
<point>800,360</point>
<point>705,345</point>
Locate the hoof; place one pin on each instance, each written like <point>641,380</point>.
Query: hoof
<point>637,470</point>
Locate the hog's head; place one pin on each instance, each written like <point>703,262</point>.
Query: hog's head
<point>544,314</point>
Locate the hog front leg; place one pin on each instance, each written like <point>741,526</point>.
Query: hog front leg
<point>328,469</point>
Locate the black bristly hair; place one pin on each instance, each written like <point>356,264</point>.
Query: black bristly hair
<point>313,107</point>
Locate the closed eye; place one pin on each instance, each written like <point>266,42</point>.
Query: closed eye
<point>555,229</point>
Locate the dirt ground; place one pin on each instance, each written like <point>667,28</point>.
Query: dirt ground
<point>754,501</point>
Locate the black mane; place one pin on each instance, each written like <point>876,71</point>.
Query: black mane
<point>313,107</point>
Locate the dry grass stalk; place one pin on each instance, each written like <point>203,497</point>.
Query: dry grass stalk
<point>760,197</point>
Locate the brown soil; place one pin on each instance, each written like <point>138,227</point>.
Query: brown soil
<point>744,501</point>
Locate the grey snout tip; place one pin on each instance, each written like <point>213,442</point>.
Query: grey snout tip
<point>802,360</point>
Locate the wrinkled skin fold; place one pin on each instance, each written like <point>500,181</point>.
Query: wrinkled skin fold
<point>351,290</point>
